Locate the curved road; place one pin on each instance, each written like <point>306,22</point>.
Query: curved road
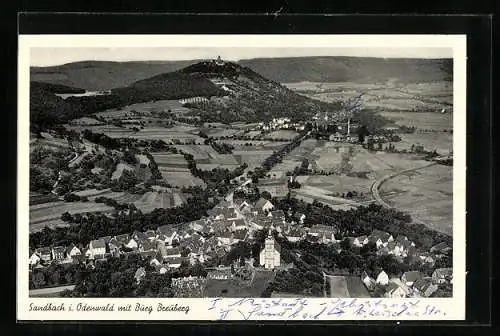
<point>376,186</point>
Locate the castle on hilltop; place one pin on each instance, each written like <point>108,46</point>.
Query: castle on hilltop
<point>219,61</point>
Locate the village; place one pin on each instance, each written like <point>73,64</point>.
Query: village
<point>171,247</point>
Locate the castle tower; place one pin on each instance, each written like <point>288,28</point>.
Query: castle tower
<point>219,61</point>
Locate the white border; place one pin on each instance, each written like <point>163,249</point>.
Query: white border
<point>453,308</point>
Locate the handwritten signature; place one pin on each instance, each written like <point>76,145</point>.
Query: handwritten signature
<point>304,309</point>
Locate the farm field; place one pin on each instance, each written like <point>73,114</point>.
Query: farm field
<point>160,198</point>
<point>166,159</point>
<point>167,134</point>
<point>427,195</point>
<point>303,151</point>
<point>199,152</point>
<point>323,195</point>
<point>210,166</point>
<point>145,109</point>
<point>335,184</point>
<point>223,132</point>
<point>442,142</point>
<point>375,164</point>
<point>180,178</point>
<point>426,97</point>
<point>421,120</point>
<point>253,158</point>
<point>285,166</point>
<point>281,134</point>
<point>49,214</point>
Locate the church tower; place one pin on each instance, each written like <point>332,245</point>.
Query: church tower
<point>270,254</point>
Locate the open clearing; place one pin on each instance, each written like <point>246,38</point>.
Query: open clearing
<point>427,195</point>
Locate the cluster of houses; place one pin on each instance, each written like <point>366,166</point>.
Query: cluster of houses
<point>280,123</point>
<point>411,284</point>
<point>170,246</point>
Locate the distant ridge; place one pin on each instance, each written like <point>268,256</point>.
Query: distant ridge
<point>352,69</point>
<point>104,75</point>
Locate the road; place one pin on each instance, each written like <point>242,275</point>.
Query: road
<point>49,292</point>
<point>375,188</point>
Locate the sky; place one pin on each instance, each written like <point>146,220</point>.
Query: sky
<point>44,56</point>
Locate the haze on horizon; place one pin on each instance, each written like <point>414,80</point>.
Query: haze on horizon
<point>54,56</point>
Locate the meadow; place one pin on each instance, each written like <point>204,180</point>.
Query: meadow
<point>427,195</point>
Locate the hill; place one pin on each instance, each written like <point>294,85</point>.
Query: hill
<point>100,75</point>
<point>232,93</point>
<point>47,108</point>
<point>352,69</point>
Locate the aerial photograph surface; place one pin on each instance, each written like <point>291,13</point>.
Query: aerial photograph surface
<point>240,172</point>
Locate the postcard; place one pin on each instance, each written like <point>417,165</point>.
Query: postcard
<point>241,177</point>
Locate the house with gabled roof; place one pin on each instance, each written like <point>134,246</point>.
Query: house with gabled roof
<point>396,289</point>
<point>277,215</point>
<point>34,259</point>
<point>443,275</point>
<point>146,245</point>
<point>229,213</point>
<point>139,274</point>
<point>174,262</point>
<point>197,225</point>
<point>72,251</point>
<point>238,224</point>
<point>97,247</point>
<point>239,235</point>
<point>382,278</point>
<point>360,241</point>
<point>380,238</point>
<point>295,234</point>
<point>150,234</point>
<point>263,205</point>
<point>139,236</point>
<point>58,253</point>
<point>225,237</point>
<point>167,234</point>
<point>299,217</point>
<point>117,242</point>
<point>45,254</point>
<point>424,287</point>
<point>409,278</point>
<point>369,282</point>
<point>244,207</point>
<point>171,252</point>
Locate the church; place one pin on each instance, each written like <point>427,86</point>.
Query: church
<point>270,254</point>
